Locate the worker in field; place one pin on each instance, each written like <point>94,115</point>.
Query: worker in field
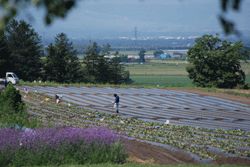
<point>116,103</point>
<point>58,98</point>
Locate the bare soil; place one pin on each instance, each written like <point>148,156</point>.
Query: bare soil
<point>232,160</point>
<point>145,153</point>
<point>222,95</point>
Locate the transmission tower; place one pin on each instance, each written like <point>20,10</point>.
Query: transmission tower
<point>135,33</point>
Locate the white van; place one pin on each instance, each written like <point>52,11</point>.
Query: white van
<point>10,77</point>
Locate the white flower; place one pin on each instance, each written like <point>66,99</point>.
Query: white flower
<point>102,119</point>
<point>20,144</point>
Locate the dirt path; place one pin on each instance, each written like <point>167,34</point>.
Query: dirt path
<point>145,153</point>
<point>240,99</point>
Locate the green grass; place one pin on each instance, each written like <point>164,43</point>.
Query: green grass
<point>145,165</point>
<point>166,80</point>
<point>146,81</point>
<point>167,73</point>
<point>167,67</point>
<point>171,68</point>
<point>162,80</point>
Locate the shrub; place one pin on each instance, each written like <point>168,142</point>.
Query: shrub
<point>58,146</point>
<point>12,108</point>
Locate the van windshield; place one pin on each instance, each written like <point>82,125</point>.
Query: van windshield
<point>14,75</point>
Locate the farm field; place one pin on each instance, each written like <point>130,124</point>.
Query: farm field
<point>167,73</point>
<point>144,121</point>
<point>156,105</point>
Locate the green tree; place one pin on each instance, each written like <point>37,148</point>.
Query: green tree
<point>53,9</point>
<point>90,61</point>
<point>25,50</point>
<point>157,53</point>
<point>96,62</point>
<point>142,55</point>
<point>13,110</point>
<point>12,107</point>
<point>124,58</point>
<point>118,74</point>
<point>101,69</point>
<point>4,56</point>
<point>216,62</point>
<point>105,50</point>
<point>62,64</point>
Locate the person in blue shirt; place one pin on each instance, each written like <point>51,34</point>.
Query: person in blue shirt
<point>116,103</point>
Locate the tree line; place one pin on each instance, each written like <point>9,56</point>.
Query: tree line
<point>22,52</point>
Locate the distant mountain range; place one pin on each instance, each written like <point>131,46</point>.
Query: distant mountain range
<point>145,42</point>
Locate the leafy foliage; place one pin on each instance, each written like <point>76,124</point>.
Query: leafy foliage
<point>118,74</point>
<point>228,25</point>
<point>157,53</point>
<point>62,64</point>
<point>53,9</point>
<point>101,69</point>
<point>12,110</point>
<point>215,62</point>
<point>25,49</point>
<point>4,56</point>
<point>142,55</point>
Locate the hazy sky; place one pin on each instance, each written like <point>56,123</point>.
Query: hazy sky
<point>114,18</point>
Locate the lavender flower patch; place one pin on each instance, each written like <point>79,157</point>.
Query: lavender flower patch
<point>9,138</point>
<point>59,146</point>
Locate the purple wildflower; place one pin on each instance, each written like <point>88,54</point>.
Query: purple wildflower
<point>54,137</point>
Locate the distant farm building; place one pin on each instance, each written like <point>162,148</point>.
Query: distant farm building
<point>165,56</point>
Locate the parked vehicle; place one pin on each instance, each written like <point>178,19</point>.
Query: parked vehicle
<point>10,77</point>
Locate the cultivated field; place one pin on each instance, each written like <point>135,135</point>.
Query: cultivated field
<point>181,108</point>
<point>142,116</point>
<point>157,125</point>
<point>169,73</point>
